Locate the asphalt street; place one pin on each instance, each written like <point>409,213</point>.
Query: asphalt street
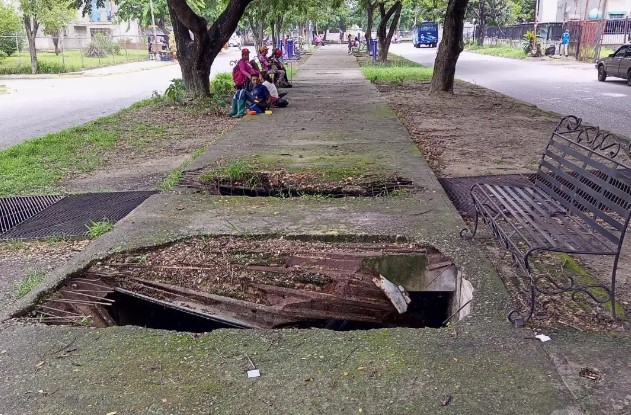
<point>563,86</point>
<point>35,107</point>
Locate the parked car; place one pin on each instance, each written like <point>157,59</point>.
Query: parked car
<point>235,41</point>
<point>618,65</point>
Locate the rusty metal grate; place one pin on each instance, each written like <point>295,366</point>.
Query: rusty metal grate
<point>71,215</point>
<point>457,188</point>
<point>15,210</point>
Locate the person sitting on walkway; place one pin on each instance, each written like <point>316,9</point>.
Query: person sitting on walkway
<point>243,72</point>
<point>278,69</point>
<point>240,101</point>
<point>318,40</point>
<point>276,100</point>
<point>261,97</point>
<point>265,64</point>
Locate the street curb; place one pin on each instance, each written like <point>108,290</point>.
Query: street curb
<point>85,73</point>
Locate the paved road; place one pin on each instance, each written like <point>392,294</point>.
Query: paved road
<point>563,87</point>
<point>39,106</point>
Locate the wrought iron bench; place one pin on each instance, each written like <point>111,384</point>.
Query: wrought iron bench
<point>580,203</point>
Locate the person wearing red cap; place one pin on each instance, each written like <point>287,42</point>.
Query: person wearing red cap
<point>280,74</point>
<point>242,75</point>
<point>243,72</point>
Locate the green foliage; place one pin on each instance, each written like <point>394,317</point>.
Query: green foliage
<point>3,55</point>
<point>175,91</point>
<point>56,17</point>
<point>32,279</point>
<point>96,229</point>
<point>174,177</point>
<point>101,46</point>
<point>396,70</point>
<point>10,24</point>
<point>529,39</point>
<point>503,51</point>
<point>141,10</point>
<point>234,171</point>
<point>221,88</point>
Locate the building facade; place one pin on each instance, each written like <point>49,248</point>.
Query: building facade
<point>564,10</point>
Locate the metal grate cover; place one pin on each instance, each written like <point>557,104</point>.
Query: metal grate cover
<point>15,210</point>
<point>71,215</point>
<point>457,188</point>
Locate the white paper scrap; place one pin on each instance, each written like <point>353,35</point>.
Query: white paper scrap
<point>543,338</point>
<point>254,373</point>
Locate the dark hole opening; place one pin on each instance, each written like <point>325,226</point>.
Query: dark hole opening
<point>427,309</point>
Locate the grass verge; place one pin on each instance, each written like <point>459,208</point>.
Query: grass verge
<point>174,177</point>
<point>501,51</point>
<point>396,70</point>
<point>38,165</point>
<point>71,61</point>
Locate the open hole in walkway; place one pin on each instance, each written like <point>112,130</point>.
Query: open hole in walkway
<point>281,183</point>
<point>199,285</point>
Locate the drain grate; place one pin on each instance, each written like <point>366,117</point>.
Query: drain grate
<point>457,188</point>
<point>71,215</point>
<point>15,210</point>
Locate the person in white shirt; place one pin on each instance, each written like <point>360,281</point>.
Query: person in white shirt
<point>276,99</point>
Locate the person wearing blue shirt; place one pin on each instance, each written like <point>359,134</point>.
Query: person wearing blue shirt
<point>261,97</point>
<point>565,41</point>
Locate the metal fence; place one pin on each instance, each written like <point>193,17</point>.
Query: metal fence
<point>585,36</point>
<point>73,53</point>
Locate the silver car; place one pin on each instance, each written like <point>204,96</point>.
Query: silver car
<point>618,65</point>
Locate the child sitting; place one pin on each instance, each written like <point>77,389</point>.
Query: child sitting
<point>261,97</point>
<point>276,99</point>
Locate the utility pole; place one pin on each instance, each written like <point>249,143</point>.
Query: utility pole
<point>534,41</point>
<point>601,30</point>
<point>153,26</point>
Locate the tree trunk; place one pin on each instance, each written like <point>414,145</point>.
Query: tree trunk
<point>385,38</point>
<point>31,26</point>
<point>480,33</point>
<point>370,11</point>
<point>56,43</point>
<point>449,49</point>
<point>480,29</point>
<point>196,54</point>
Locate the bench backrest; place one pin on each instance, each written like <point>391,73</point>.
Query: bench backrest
<point>588,171</point>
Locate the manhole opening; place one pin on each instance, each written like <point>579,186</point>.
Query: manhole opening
<point>263,284</point>
<point>284,184</point>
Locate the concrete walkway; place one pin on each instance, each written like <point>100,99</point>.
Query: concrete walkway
<point>335,120</point>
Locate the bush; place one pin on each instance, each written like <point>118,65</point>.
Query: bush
<point>50,67</point>
<point>10,24</point>
<point>175,91</point>
<point>3,54</point>
<point>221,88</point>
<point>101,46</point>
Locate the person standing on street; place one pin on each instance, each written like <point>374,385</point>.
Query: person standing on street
<point>565,41</point>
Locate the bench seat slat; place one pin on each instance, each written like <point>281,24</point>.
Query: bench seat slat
<point>506,203</point>
<point>563,235</point>
<point>558,233</point>
<point>542,227</point>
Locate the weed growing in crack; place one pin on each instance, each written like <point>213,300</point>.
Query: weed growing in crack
<point>32,279</point>
<point>235,171</point>
<point>96,229</point>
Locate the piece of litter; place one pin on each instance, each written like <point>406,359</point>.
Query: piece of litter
<point>254,373</point>
<point>543,338</point>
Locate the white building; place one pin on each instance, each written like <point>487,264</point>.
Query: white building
<point>564,10</point>
<point>79,32</point>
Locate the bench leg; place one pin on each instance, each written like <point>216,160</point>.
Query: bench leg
<point>467,233</point>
